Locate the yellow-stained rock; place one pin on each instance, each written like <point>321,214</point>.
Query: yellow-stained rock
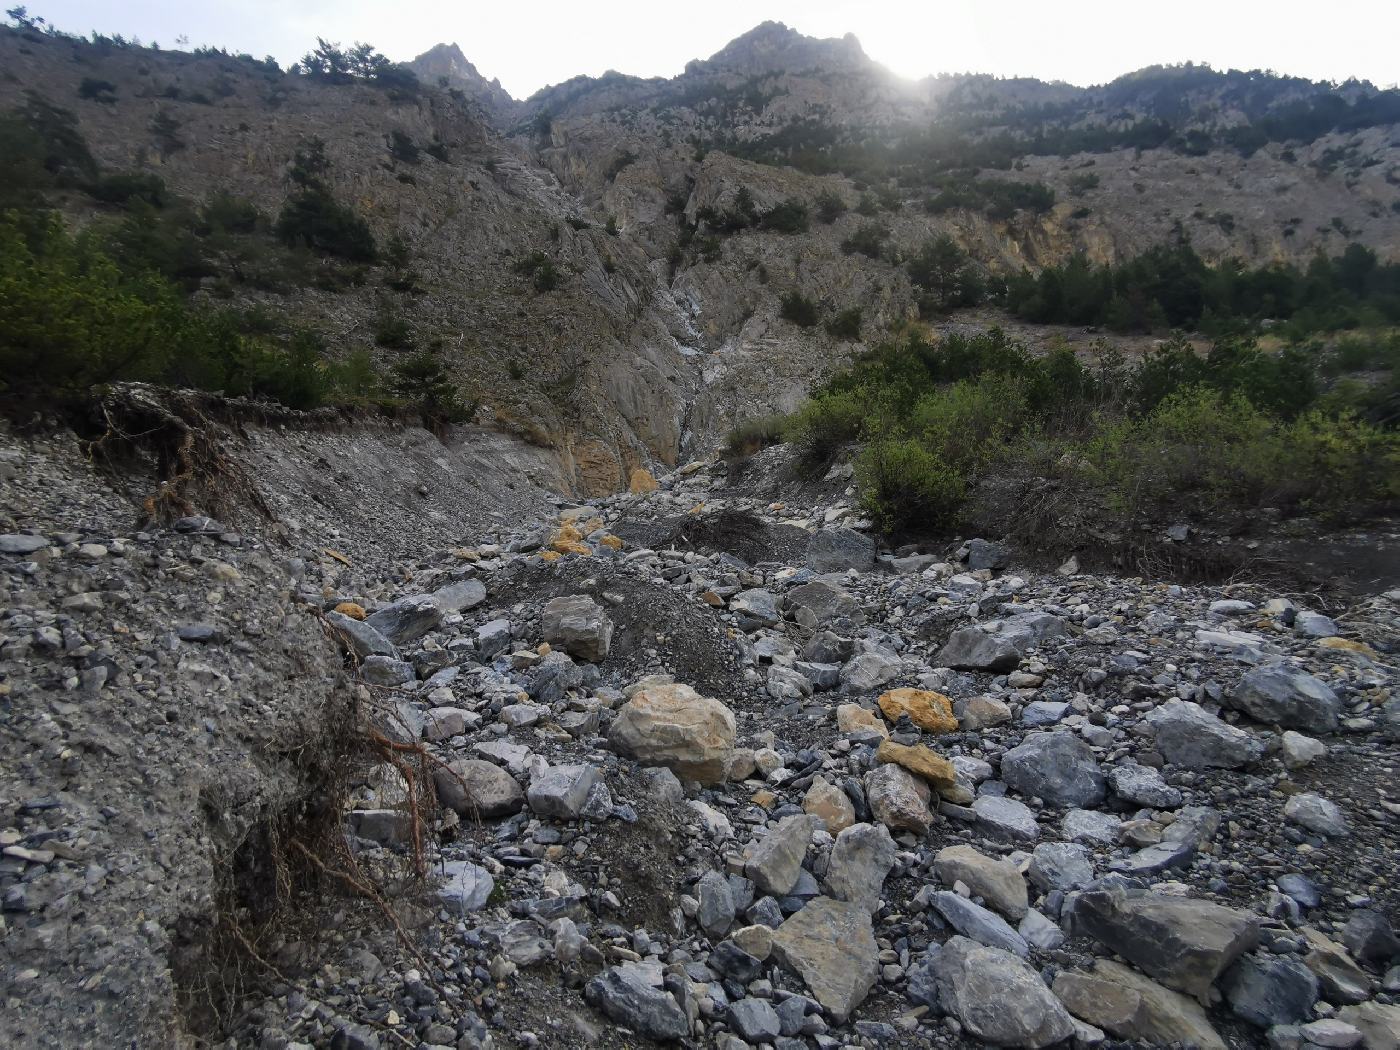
<point>930,711</point>
<point>1347,645</point>
<point>712,599</point>
<point>550,555</point>
<point>615,542</point>
<point>641,481</point>
<point>351,609</point>
<point>591,526</point>
<point>763,798</point>
<point>568,540</point>
<point>920,761</point>
<point>852,718</point>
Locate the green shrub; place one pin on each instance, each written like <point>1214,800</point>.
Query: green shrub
<point>95,90</point>
<point>868,240</point>
<point>539,267</point>
<point>392,331</point>
<point>788,217</point>
<point>225,213</point>
<point>830,207</point>
<point>846,324</point>
<point>316,220</point>
<point>423,381</point>
<point>402,147</point>
<point>943,271</point>
<point>754,435</point>
<point>123,189</point>
<point>905,485</point>
<point>820,428</point>
<point>798,309</point>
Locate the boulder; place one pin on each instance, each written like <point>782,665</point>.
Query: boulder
<point>1004,819</point>
<point>996,881</point>
<point>997,997</point>
<point>1133,1007</point>
<point>578,625</point>
<point>1188,735</point>
<point>475,789</point>
<point>1339,978</point>
<point>672,725</point>
<point>1061,866</point>
<point>561,791</point>
<point>716,911</point>
<point>1057,767</point>
<point>1183,942</point>
<point>974,921</point>
<point>836,550</point>
<point>831,946</point>
<point>898,799</point>
<point>624,994</point>
<point>998,645</point>
<point>930,711</point>
<point>407,619</point>
<point>818,603</point>
<point>829,804</point>
<point>1143,786</point>
<point>1378,1023</point>
<point>920,761</point>
<point>1317,814</point>
<point>1283,694</point>
<point>360,637</point>
<point>776,861</point>
<point>1266,990</point>
<point>860,860</point>
<point>755,608</point>
<point>465,886</point>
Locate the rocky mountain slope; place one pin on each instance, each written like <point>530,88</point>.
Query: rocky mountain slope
<point>688,766</point>
<point>657,330</point>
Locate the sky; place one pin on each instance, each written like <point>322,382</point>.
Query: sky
<point>530,45</point>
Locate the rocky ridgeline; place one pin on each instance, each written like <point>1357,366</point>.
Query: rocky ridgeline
<point>819,795</point>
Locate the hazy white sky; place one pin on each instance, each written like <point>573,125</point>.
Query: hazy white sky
<point>531,44</point>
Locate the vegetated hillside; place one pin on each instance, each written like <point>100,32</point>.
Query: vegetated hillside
<point>623,269</point>
<point>557,329</point>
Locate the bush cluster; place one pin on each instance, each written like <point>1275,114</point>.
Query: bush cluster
<point>1171,286</point>
<point>1233,429</point>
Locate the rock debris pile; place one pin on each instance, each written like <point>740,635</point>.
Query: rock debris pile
<point>851,797</point>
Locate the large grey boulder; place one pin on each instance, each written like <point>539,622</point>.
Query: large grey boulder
<point>1143,786</point>
<point>407,619</point>
<point>1283,694</point>
<point>626,996</point>
<point>561,791</point>
<point>1183,942</point>
<point>465,886</point>
<point>755,608</point>
<point>1125,1003</point>
<point>674,726</point>
<point>1317,814</point>
<point>836,550</point>
<point>996,880</point>
<point>578,625</point>
<point>997,997</point>
<point>364,640</point>
<point>860,860</point>
<point>819,603</point>
<point>1188,735</point>
<point>1005,819</point>
<point>1057,767</point>
<point>1266,990</point>
<point>716,911</point>
<point>974,921</point>
<point>775,863</point>
<point>473,788</point>
<point>998,645</point>
<point>831,946</point>
<point>1061,866</point>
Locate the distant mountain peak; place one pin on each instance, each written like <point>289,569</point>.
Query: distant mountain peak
<point>772,47</point>
<point>448,62</point>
